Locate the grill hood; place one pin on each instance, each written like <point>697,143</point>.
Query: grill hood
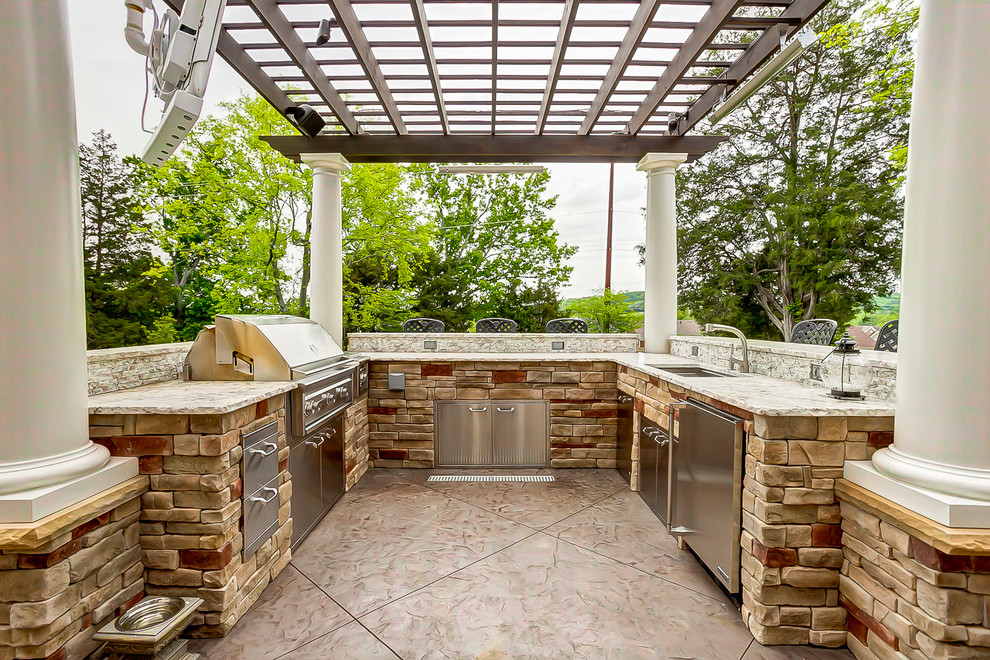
<point>260,347</point>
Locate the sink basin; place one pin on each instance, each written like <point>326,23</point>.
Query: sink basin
<point>692,371</point>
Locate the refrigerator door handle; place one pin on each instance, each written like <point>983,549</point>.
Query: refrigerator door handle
<point>671,475</point>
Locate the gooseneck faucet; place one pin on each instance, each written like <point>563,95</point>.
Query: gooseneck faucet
<point>743,364</point>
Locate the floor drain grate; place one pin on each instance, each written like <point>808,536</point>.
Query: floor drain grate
<point>490,477</point>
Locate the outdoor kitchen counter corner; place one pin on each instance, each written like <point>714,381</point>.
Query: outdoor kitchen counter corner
<point>180,397</point>
<point>755,393</point>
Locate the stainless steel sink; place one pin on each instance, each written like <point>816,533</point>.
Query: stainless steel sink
<point>692,371</point>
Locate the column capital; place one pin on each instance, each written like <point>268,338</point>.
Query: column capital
<point>652,163</point>
<point>328,163</point>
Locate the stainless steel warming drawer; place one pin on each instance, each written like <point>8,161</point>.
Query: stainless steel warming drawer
<point>492,433</point>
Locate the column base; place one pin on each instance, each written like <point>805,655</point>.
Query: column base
<point>948,510</point>
<point>25,475</point>
<point>958,480</point>
<point>32,505</point>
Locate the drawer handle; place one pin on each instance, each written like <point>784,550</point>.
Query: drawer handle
<point>273,445</point>
<point>482,409</point>
<point>258,498</point>
<point>323,439</point>
<point>512,409</point>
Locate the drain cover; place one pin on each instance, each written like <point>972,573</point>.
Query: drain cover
<point>490,477</point>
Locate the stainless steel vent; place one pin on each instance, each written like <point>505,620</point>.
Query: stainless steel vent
<point>490,477</point>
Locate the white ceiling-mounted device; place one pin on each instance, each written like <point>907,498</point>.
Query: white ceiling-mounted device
<point>788,53</point>
<point>179,55</point>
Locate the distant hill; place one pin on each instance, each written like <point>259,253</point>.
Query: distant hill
<point>635,298</point>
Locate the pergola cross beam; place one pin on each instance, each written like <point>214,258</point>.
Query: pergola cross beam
<point>270,14</point>
<point>348,22</point>
<point>686,58</point>
<point>637,28</point>
<point>419,15</point>
<point>563,37</point>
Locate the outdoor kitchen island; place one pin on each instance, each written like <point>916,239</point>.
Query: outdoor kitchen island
<point>796,441</point>
<point>189,438</point>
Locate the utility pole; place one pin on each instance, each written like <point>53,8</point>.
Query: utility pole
<point>608,247</point>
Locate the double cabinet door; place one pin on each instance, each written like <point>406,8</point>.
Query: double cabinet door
<point>492,434</point>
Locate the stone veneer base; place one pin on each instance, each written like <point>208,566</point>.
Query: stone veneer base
<point>947,510</point>
<point>904,597</point>
<point>32,505</point>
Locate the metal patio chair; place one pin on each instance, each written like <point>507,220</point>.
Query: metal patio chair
<point>887,337</point>
<point>495,324</point>
<point>423,325</point>
<point>568,326</point>
<point>814,331</point>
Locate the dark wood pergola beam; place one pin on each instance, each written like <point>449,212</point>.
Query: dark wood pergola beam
<point>640,23</point>
<point>708,27</point>
<point>422,27</point>
<point>348,22</point>
<point>563,36</point>
<point>486,149</point>
<point>268,11</point>
<point>797,15</point>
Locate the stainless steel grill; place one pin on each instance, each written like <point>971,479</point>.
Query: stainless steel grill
<point>290,348</point>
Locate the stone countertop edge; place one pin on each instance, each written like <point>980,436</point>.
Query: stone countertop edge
<point>755,393</point>
<point>179,397</point>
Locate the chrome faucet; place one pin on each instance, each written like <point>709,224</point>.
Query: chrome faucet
<point>743,364</point>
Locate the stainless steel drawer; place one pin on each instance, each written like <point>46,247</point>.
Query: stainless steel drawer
<point>260,516</point>
<point>260,457</point>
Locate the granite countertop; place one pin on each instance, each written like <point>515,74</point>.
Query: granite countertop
<point>760,395</point>
<point>179,397</point>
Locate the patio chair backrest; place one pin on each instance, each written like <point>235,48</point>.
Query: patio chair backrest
<point>568,326</point>
<point>814,331</point>
<point>495,324</point>
<point>887,337</point>
<point>423,325</point>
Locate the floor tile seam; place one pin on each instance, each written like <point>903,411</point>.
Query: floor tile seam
<point>444,577</point>
<point>581,510</point>
<point>748,647</point>
<point>354,619</point>
<point>644,572</point>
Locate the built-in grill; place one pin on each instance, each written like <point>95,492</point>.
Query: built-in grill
<point>290,348</point>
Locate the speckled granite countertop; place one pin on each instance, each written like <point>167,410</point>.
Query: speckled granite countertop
<point>760,395</point>
<point>178,397</point>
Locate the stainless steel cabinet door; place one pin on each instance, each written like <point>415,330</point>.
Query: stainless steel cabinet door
<point>332,462</point>
<point>624,437</point>
<point>519,433</point>
<point>307,500</point>
<point>464,434</point>
<point>648,457</point>
<point>708,488</point>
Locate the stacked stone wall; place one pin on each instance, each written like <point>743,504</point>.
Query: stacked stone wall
<point>191,533</point>
<point>356,441</point>
<point>56,595</point>
<point>114,369</point>
<point>581,395</point>
<point>906,599</point>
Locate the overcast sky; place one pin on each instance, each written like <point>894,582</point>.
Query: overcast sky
<point>109,89</point>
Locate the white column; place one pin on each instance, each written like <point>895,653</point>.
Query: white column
<point>44,425</point>
<point>942,423</point>
<point>326,256</point>
<point>660,305</point>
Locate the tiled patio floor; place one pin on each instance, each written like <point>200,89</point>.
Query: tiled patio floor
<point>576,568</point>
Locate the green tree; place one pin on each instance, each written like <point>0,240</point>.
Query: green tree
<point>495,245</point>
<point>798,215</point>
<point>607,311</point>
<point>123,294</point>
